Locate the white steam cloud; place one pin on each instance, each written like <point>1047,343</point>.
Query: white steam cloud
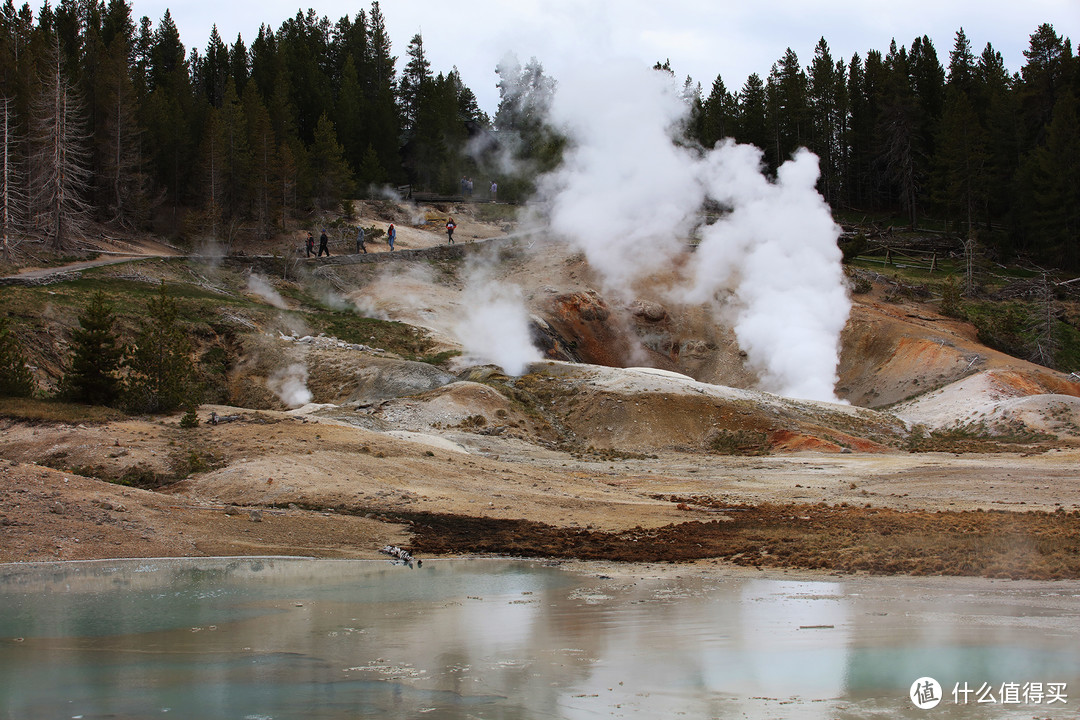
<point>625,193</point>
<point>258,285</point>
<point>778,249</point>
<point>290,385</point>
<point>629,196</point>
<point>494,327</point>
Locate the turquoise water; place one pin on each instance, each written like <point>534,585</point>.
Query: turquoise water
<point>290,638</point>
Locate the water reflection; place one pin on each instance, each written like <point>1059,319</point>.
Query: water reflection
<point>281,638</point>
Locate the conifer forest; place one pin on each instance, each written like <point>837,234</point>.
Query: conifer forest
<point>111,121</point>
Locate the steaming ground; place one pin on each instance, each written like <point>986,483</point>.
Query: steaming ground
<point>573,459</point>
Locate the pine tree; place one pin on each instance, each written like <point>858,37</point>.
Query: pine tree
<point>961,64</point>
<point>381,121</point>
<point>285,171</point>
<point>306,57</point>
<point>162,373</point>
<point>168,114</point>
<point>825,118</point>
<point>752,122</point>
<point>263,146</point>
<point>720,111</point>
<point>414,78</point>
<point>995,103</point>
<point>92,376</point>
<point>239,64</point>
<point>1056,185</point>
<point>1049,61</point>
<point>900,153</point>
<point>211,175</point>
<point>349,114</point>
<point>236,155</point>
<point>213,71</point>
<point>16,380</point>
<point>866,82</point>
<point>961,160</point>
<point>525,94</point>
<point>468,108</point>
<point>124,194</point>
<point>928,84</point>
<point>371,172</point>
<point>788,109</point>
<point>330,180</point>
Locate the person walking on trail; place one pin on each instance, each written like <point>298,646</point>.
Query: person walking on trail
<point>360,246</point>
<point>310,244</point>
<point>450,231</point>
<point>391,235</point>
<point>494,189</point>
<point>323,240</point>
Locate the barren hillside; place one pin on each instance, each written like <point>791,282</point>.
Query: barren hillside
<point>636,416</point>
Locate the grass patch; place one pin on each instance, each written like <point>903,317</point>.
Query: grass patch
<point>54,411</point>
<point>978,438</point>
<point>408,341</point>
<point>439,358</point>
<point>182,464</point>
<point>188,462</point>
<point>494,212</point>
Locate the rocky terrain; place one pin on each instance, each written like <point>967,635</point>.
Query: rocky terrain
<point>636,433</point>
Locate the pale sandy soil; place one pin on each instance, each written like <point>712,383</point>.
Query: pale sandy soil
<point>345,476</point>
<point>282,463</point>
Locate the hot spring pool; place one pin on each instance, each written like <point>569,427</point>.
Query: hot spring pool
<point>293,638</point>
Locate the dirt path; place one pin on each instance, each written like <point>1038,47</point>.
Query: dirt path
<point>38,276</point>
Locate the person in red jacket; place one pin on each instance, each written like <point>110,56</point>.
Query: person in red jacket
<point>450,231</point>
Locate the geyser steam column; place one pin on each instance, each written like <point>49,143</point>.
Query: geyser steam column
<point>628,195</point>
<point>776,250</point>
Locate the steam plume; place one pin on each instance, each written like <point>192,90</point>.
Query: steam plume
<point>258,285</point>
<point>494,327</point>
<point>629,196</point>
<point>780,239</point>
<point>625,193</point>
<point>290,385</point>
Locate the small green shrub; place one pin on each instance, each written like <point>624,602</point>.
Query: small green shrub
<point>951,305</point>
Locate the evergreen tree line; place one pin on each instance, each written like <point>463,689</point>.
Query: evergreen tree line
<point>106,120</point>
<point>995,154</point>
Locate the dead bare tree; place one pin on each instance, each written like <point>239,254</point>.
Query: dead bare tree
<point>60,159</point>
<point>1046,343</point>
<point>970,246</point>
<point>12,201</point>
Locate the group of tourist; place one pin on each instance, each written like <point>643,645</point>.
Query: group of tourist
<point>361,246</point>
<point>467,188</point>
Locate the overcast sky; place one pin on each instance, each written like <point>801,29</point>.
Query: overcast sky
<point>702,38</point>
